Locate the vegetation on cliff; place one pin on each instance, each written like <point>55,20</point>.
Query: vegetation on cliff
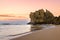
<point>43,17</point>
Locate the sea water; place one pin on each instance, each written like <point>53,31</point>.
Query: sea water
<point>10,31</point>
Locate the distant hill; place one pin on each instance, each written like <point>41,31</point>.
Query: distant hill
<point>14,22</point>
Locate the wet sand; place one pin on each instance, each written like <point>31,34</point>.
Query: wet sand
<point>48,34</point>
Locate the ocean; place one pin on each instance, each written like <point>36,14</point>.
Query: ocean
<point>8,32</point>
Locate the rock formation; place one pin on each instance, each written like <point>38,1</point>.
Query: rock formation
<point>37,17</point>
<point>48,17</point>
<point>42,17</point>
<point>56,20</point>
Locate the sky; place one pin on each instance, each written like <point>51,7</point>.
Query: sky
<point>20,9</point>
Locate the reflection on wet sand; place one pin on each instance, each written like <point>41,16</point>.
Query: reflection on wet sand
<point>49,34</point>
<point>41,27</point>
<point>36,27</point>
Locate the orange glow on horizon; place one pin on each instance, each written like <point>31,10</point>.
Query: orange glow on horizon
<point>20,9</point>
<point>12,17</point>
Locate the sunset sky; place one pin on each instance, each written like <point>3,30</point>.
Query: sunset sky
<point>20,9</point>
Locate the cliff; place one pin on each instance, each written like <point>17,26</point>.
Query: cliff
<point>43,17</point>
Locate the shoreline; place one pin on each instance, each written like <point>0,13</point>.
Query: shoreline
<point>18,35</point>
<point>28,33</point>
<point>52,33</point>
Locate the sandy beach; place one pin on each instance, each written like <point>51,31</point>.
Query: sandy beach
<point>48,34</point>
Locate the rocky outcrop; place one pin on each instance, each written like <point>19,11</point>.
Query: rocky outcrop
<point>43,17</point>
<point>56,20</point>
<point>37,17</point>
<point>48,17</point>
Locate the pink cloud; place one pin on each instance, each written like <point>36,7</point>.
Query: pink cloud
<point>6,16</point>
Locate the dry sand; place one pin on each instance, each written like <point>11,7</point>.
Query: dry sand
<point>48,34</point>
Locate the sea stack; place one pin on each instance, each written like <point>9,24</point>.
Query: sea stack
<point>41,17</point>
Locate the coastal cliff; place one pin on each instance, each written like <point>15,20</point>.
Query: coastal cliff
<point>43,17</point>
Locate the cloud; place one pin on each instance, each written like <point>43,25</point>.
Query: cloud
<point>6,16</point>
<point>11,17</point>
